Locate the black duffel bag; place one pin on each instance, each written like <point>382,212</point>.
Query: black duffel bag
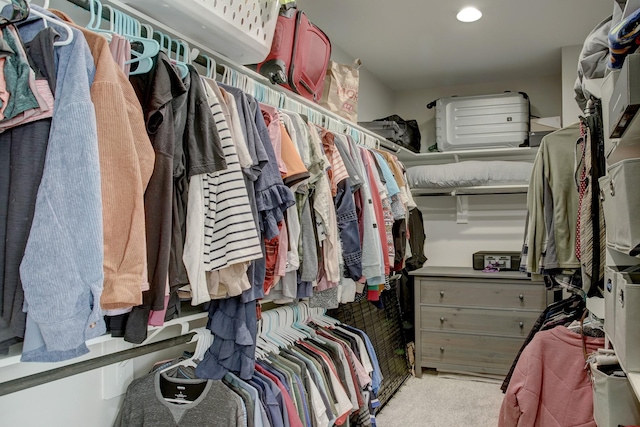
<point>409,135</point>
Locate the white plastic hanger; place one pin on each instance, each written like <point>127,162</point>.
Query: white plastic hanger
<point>48,20</point>
<point>292,319</point>
<point>211,67</point>
<point>269,344</point>
<point>279,329</point>
<point>203,339</point>
<point>286,325</point>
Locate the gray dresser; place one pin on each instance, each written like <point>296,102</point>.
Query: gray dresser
<point>470,321</point>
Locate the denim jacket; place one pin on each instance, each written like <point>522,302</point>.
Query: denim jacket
<point>61,270</point>
<point>349,234</point>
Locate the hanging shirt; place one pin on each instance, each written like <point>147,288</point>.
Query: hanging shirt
<point>292,414</point>
<point>370,238</point>
<point>22,154</point>
<point>61,270</point>
<point>550,165</point>
<point>126,165</point>
<point>374,282</point>
<point>297,173</point>
<point>144,405</point>
<point>230,233</point>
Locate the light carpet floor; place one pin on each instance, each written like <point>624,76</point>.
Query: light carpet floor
<point>442,400</point>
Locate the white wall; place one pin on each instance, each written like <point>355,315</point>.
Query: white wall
<point>496,222</point>
<point>570,109</point>
<point>375,99</point>
<point>545,94</point>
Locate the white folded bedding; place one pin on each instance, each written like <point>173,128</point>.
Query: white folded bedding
<point>470,173</point>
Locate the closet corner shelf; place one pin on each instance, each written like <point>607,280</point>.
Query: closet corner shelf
<point>409,158</point>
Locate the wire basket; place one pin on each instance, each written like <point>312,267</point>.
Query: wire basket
<point>241,30</point>
<point>384,328</point>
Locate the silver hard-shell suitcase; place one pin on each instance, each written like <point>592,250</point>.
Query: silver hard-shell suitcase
<point>483,121</point>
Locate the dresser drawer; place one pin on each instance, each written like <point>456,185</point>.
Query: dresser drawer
<point>487,321</point>
<point>500,294</point>
<point>470,353</point>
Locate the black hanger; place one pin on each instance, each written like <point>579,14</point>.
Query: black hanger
<point>20,13</point>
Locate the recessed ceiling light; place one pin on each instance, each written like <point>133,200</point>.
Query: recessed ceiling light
<point>469,14</point>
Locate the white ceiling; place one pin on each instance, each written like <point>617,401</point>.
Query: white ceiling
<point>416,44</point>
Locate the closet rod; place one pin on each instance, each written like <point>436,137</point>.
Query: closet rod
<point>200,60</point>
<point>45,377</point>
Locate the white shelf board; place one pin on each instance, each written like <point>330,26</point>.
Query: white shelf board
<point>410,158</point>
<point>634,379</point>
<point>469,191</point>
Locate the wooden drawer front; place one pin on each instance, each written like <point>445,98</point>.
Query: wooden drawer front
<point>480,353</point>
<point>494,322</point>
<point>478,294</point>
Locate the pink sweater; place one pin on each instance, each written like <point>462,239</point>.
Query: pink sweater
<point>550,387</point>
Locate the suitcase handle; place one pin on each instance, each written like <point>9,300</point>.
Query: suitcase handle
<point>308,88</point>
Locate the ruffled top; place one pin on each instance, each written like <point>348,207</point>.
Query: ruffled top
<point>234,325</point>
<point>272,196</point>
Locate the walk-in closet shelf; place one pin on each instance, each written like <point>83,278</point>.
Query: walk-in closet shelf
<point>409,158</point>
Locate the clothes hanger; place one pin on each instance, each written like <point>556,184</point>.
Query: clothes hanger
<point>131,29</point>
<point>180,64</point>
<point>148,31</point>
<point>281,330</point>
<point>210,72</point>
<point>20,13</point>
<point>287,318</point>
<point>203,339</point>
<point>297,327</point>
<point>272,332</point>
<point>23,10</point>
<point>301,315</point>
<point>95,20</point>
<point>269,344</point>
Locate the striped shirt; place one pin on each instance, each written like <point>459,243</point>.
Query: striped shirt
<point>230,235</point>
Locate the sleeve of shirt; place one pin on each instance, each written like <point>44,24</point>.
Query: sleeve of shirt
<point>123,187</point>
<point>535,206</point>
<point>203,144</point>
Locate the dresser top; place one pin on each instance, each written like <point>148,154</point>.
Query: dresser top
<point>467,272</point>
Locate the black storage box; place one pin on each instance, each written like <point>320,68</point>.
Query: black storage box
<point>507,261</point>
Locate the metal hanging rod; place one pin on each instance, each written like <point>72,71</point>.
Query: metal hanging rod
<point>55,374</point>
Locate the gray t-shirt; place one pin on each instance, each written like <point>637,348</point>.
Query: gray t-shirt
<point>144,404</point>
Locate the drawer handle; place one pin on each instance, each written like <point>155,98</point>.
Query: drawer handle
<point>441,349</point>
<point>442,320</point>
<point>521,325</point>
<point>441,294</point>
<point>521,297</point>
